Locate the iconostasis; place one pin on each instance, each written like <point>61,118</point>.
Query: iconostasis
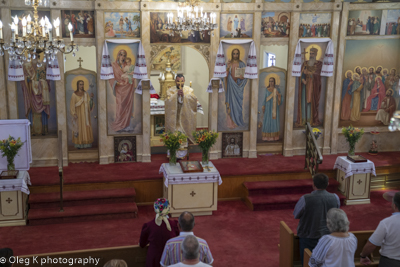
<point>264,114</point>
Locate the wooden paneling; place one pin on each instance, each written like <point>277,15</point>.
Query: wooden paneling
<point>147,191</point>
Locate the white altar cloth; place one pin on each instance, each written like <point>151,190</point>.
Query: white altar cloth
<point>159,107</point>
<point>175,175</point>
<point>19,184</point>
<point>351,168</point>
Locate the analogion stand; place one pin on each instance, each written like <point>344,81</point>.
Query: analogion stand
<point>196,192</point>
<point>354,180</point>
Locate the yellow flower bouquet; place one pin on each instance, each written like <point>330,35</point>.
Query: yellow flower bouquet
<point>9,148</point>
<point>173,141</point>
<point>205,139</point>
<point>352,136</point>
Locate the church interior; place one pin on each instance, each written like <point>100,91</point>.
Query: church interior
<point>227,108</point>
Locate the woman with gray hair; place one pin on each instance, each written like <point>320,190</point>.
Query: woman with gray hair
<point>338,248</point>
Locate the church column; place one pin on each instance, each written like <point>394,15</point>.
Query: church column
<point>330,87</point>
<point>254,84</point>
<point>145,34</point>
<point>3,82</point>
<point>291,82</point>
<point>339,67</point>
<point>215,151</point>
<point>61,101</point>
<point>11,86</point>
<point>101,91</point>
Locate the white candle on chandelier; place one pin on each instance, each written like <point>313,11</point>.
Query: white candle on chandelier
<point>196,10</point>
<point>70,31</point>
<point>50,28</point>
<point>42,25</point>
<point>28,24</point>
<point>57,26</point>
<point>1,30</point>
<point>16,24</point>
<point>13,33</point>
<point>24,27</point>
<point>201,11</point>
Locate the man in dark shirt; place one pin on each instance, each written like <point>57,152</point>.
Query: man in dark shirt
<point>311,209</point>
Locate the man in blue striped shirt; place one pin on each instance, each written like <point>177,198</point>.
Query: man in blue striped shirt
<point>172,253</point>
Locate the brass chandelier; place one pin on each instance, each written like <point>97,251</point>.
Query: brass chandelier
<point>36,38</point>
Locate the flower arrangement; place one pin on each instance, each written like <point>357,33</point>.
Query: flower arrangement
<point>352,136</point>
<point>206,139</point>
<point>9,148</point>
<point>173,141</point>
<point>317,133</point>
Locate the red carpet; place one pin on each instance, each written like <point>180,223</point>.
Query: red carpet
<point>82,206</point>
<point>273,195</point>
<point>237,236</point>
<point>93,172</point>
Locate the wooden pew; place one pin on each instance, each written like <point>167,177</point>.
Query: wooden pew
<point>289,254</point>
<point>133,255</point>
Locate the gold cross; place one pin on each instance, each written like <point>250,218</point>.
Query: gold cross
<point>9,200</point>
<point>192,194</point>
<point>80,62</point>
<point>304,54</point>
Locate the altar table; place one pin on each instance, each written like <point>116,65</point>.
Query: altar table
<point>196,192</point>
<point>13,200</point>
<point>354,180</point>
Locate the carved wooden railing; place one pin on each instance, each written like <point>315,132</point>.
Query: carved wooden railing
<point>313,154</point>
<point>60,168</point>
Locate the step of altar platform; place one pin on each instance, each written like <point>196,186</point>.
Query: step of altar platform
<point>80,198</point>
<point>82,213</point>
<point>272,195</point>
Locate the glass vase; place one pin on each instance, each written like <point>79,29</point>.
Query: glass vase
<point>352,150</point>
<point>204,157</point>
<point>10,163</point>
<point>172,157</point>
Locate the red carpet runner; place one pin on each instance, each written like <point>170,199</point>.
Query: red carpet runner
<point>237,236</point>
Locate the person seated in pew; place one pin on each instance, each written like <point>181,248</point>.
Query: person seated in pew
<point>116,263</point>
<point>157,232</point>
<point>387,236</point>
<point>190,253</point>
<point>172,250</point>
<point>338,248</point>
<point>311,209</point>
<point>5,255</point>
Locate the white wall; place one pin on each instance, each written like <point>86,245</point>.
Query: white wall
<point>195,69</point>
<point>281,53</point>
<point>87,54</point>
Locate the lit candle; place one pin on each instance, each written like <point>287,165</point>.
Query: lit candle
<point>28,24</point>
<point>201,11</point>
<point>49,27</point>
<point>57,26</point>
<point>13,32</point>
<point>24,27</point>
<point>70,31</point>
<point>42,24</point>
<point>172,17</point>
<point>1,30</point>
<point>16,24</point>
<point>196,10</point>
